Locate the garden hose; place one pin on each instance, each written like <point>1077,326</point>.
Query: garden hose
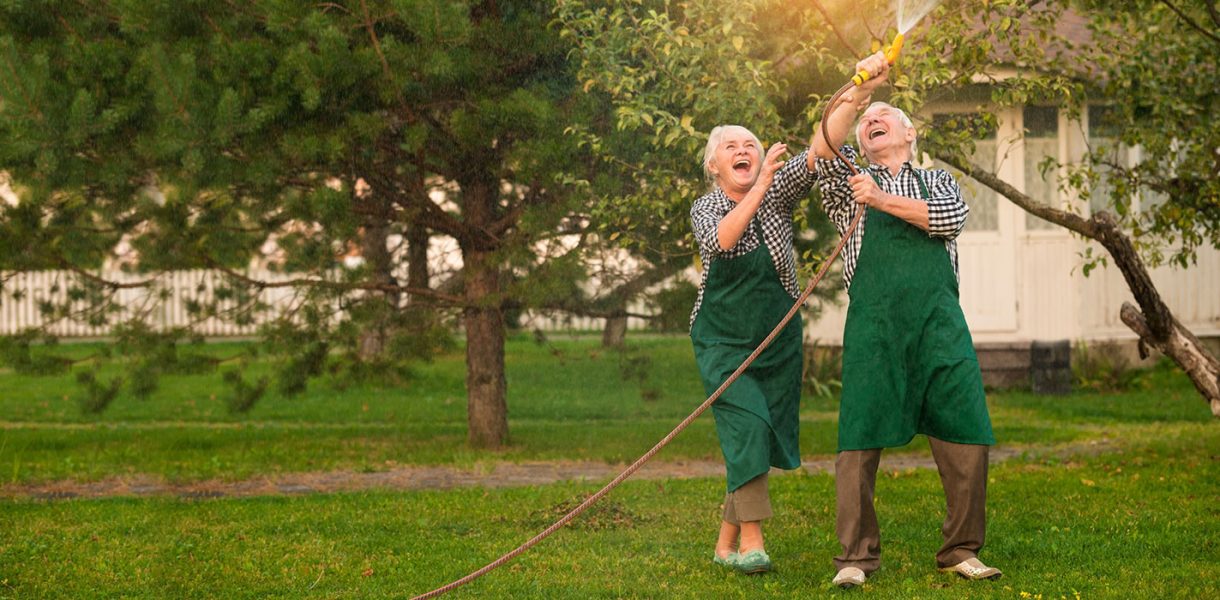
<point>891,56</point>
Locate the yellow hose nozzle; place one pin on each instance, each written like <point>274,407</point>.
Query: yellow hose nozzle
<point>891,56</point>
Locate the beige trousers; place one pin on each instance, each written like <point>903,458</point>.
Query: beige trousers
<point>963,475</point>
<point>750,502</point>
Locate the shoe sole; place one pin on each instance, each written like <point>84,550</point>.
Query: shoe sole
<point>987,578</point>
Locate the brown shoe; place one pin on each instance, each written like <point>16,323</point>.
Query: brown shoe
<point>973,568</point>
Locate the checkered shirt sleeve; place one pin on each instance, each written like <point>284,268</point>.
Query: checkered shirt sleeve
<point>947,211</point>
<point>791,183</point>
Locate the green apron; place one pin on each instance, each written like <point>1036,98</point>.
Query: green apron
<point>756,417</point>
<point>908,360</point>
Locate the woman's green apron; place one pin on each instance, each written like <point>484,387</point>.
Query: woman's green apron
<point>908,360</point>
<point>756,417</point>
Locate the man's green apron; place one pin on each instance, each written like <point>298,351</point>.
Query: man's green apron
<point>908,361</point>
<point>756,417</point>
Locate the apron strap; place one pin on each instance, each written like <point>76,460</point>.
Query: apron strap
<point>758,231</point>
<point>923,187</point>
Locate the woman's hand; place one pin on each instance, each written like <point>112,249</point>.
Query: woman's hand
<point>771,164</point>
<point>866,191</point>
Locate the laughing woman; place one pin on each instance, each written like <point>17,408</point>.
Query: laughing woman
<point>744,231</point>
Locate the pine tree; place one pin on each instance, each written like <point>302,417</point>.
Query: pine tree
<point>194,130</point>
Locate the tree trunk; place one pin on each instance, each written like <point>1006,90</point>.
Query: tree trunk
<point>615,333</point>
<point>1185,349</point>
<point>417,257</point>
<point>486,386</point>
<point>376,255</point>
<point>1155,324</point>
<point>1153,321</point>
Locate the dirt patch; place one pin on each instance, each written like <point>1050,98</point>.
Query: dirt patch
<point>442,477</point>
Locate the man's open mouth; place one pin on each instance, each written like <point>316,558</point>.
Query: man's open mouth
<point>876,133</point>
<point>742,165</point>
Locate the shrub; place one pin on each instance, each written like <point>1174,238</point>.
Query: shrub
<point>1102,366</point>
<point>243,394</point>
<point>823,369</point>
<point>97,395</point>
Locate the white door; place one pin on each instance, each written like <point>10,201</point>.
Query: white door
<point>987,247</point>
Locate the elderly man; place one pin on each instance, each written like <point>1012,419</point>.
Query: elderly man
<point>909,365</point>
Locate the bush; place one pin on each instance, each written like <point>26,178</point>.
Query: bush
<point>97,395</point>
<point>672,306</point>
<point>243,395</point>
<point>823,369</point>
<point>1102,367</point>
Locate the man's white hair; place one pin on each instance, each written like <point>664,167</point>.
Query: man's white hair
<point>902,116</point>
<point>713,141</point>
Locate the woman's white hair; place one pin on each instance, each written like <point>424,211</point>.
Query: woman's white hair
<point>902,116</point>
<point>713,140</point>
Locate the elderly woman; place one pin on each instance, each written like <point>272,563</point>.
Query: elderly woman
<point>744,231</point>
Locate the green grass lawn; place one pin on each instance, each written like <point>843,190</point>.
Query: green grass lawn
<point>568,399</point>
<point>1117,496</point>
<point>1137,524</point>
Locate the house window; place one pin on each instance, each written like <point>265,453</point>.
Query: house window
<point>1103,138</point>
<point>1041,141</point>
<point>981,199</point>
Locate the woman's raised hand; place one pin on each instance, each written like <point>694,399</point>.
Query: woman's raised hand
<point>771,164</point>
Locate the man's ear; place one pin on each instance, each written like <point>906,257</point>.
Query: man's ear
<point>910,136</point>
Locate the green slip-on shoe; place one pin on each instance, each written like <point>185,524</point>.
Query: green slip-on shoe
<point>752,562</point>
<point>727,561</point>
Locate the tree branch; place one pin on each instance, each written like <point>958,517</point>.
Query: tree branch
<point>514,212</point>
<point>21,91</point>
<point>834,28</point>
<point>1189,21</point>
<point>325,6</point>
<point>114,285</point>
<point>1063,218</point>
<point>581,310</point>
<point>334,285</point>
<point>419,206</point>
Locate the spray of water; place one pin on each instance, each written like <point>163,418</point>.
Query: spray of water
<point>911,11</point>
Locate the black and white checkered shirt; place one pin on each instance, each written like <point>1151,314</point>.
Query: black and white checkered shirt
<point>946,210</point>
<point>791,183</point>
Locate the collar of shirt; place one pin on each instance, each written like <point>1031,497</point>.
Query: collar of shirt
<point>906,166</point>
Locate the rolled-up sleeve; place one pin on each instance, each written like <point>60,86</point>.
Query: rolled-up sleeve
<point>705,216</point>
<point>792,182</point>
<point>947,211</point>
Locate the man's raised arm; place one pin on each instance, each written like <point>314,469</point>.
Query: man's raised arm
<point>843,115</point>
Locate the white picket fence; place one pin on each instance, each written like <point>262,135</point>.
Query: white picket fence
<point>24,293</point>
